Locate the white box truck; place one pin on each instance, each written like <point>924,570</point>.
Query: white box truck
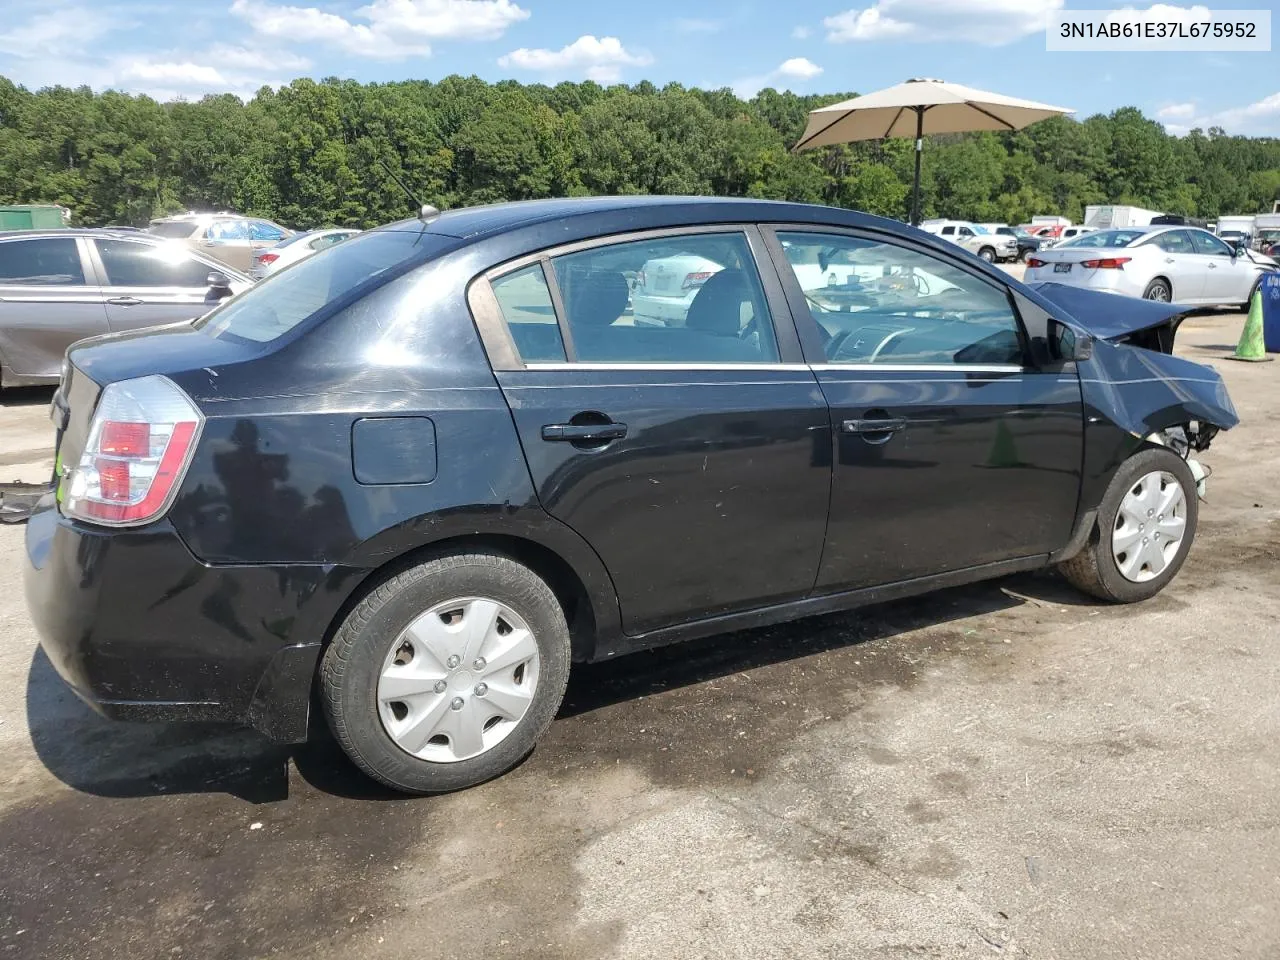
<point>1106,217</point>
<point>1266,227</point>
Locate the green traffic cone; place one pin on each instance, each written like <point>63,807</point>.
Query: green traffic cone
<point>1251,346</point>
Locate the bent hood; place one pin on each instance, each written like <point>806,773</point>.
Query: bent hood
<point>1113,316</point>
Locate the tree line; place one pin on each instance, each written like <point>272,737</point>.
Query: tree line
<point>313,153</point>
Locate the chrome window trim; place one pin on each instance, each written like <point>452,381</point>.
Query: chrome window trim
<point>652,366</point>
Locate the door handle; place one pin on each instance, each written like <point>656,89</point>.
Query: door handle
<point>123,301</point>
<point>888,425</point>
<point>1213,266</point>
<point>578,432</point>
<point>1168,259</point>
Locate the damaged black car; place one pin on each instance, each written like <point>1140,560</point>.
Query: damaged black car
<point>413,479</point>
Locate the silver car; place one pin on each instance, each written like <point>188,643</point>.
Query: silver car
<point>60,286</point>
<point>1170,264</point>
<point>295,248</point>
<point>227,237</point>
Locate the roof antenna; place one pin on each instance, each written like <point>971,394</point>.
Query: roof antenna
<point>426,212</point>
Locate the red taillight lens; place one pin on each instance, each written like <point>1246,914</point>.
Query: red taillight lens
<point>1036,262</point>
<point>697,279</point>
<point>1106,263</point>
<point>266,258</point>
<point>139,444</point>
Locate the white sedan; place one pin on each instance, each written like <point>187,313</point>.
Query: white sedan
<point>1170,264</point>
<point>295,248</point>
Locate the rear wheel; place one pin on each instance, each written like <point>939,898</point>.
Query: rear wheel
<point>1023,254</point>
<point>1257,285</point>
<point>446,675</point>
<point>1158,289</point>
<point>987,254</point>
<point>1146,525</point>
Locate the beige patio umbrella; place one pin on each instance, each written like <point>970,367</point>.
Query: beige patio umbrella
<point>918,107</point>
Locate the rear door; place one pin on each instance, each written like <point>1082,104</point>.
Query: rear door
<point>48,300</point>
<point>1179,262</point>
<point>694,457</point>
<point>228,241</point>
<point>1228,278</point>
<point>146,284</point>
<point>951,450</point>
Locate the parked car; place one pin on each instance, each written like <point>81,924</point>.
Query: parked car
<point>988,246</point>
<point>427,470</point>
<point>1028,243</point>
<point>297,247</point>
<point>227,237</point>
<point>664,287</point>
<point>1070,233</point>
<point>1236,239</point>
<point>1174,264</point>
<point>63,285</point>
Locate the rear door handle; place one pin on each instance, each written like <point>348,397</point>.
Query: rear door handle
<point>889,425</point>
<point>1213,266</point>
<point>575,433</point>
<point>1168,259</point>
<point>123,301</point>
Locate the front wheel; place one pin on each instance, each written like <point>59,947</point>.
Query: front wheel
<point>447,674</point>
<point>1146,524</point>
<point>987,254</point>
<point>1023,254</point>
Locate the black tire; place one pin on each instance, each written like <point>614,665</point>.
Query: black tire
<point>1155,288</point>
<point>987,254</point>
<point>1094,569</point>
<point>1023,254</point>
<point>351,666</point>
<point>1257,285</point>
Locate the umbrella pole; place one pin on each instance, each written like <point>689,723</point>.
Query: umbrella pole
<point>915,190</point>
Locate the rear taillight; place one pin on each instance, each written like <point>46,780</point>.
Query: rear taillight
<point>140,442</point>
<point>1106,263</point>
<point>1036,262</point>
<point>266,258</point>
<point>692,280</point>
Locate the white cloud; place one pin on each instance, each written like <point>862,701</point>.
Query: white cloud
<point>246,58</point>
<point>183,74</point>
<point>698,25</point>
<point>600,59</point>
<point>1258,119</point>
<point>987,22</point>
<point>57,33</point>
<point>801,33</point>
<point>797,68</point>
<point>395,29</point>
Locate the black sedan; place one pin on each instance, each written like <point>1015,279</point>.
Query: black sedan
<point>426,470</point>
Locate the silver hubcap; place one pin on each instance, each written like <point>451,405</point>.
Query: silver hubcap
<point>1159,292</point>
<point>1149,527</point>
<point>458,680</point>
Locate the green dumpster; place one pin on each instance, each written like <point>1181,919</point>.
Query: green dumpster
<point>31,216</point>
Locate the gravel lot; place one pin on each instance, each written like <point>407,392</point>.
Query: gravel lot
<point>1005,769</point>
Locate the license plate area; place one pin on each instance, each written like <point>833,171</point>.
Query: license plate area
<point>1062,268</point>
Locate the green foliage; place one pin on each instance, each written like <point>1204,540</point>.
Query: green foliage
<point>317,153</point>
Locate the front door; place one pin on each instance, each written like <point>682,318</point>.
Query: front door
<point>690,456</point>
<point>146,284</point>
<point>1179,263</point>
<point>48,300</point>
<point>950,451</point>
<point>1228,278</point>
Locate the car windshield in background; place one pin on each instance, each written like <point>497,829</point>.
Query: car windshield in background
<point>294,238</point>
<point>1104,238</point>
<point>270,310</point>
<point>173,229</point>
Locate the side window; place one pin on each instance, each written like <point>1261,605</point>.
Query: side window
<point>45,262</point>
<point>131,264</point>
<point>948,231</point>
<point>1174,241</point>
<point>1207,243</point>
<point>687,298</point>
<point>526,307</point>
<point>261,230</point>
<point>224,231</point>
<point>966,232</point>
<point>877,302</point>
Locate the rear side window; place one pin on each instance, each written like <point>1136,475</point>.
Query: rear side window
<point>275,306</point>
<point>1174,241</point>
<point>526,307</point>
<point>131,264</point>
<point>261,230</point>
<point>45,262</point>
<point>225,231</point>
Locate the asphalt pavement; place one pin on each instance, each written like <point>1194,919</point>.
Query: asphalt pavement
<point>1007,769</point>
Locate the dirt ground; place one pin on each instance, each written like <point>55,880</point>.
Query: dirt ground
<point>1006,769</point>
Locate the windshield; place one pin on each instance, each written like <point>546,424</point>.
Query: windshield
<point>173,229</point>
<point>1103,238</point>
<point>276,305</point>
<point>978,229</point>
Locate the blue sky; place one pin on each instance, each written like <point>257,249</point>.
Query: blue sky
<point>185,48</point>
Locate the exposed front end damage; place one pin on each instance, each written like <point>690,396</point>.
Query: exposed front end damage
<point>1135,391</point>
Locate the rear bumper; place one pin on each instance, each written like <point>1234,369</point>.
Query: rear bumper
<point>142,630</point>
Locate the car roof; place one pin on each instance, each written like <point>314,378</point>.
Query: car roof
<point>475,223</point>
<point>135,235</point>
